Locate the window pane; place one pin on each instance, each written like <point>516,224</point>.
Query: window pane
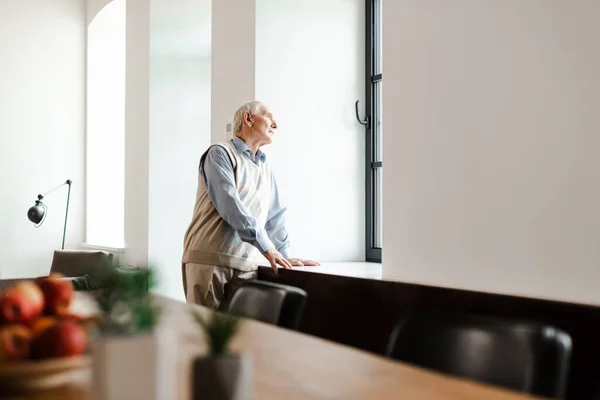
<point>105,133</point>
<point>378,129</point>
<point>377,14</point>
<point>375,142</point>
<point>378,204</point>
<point>378,148</point>
<point>377,122</point>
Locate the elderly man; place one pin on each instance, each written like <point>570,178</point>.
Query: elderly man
<point>238,218</point>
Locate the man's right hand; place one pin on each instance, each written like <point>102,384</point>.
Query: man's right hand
<point>275,258</point>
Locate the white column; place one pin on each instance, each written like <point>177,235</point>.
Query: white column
<point>136,132</point>
<point>179,129</point>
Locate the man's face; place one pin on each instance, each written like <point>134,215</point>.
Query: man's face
<point>264,125</point>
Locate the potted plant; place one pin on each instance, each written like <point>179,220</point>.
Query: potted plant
<point>127,306</point>
<point>221,375</point>
<point>132,358</point>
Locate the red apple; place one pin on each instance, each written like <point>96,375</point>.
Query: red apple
<point>41,324</point>
<point>58,294</point>
<point>21,303</point>
<point>15,343</point>
<point>65,338</point>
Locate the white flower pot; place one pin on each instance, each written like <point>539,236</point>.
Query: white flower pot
<point>228,377</point>
<point>134,367</point>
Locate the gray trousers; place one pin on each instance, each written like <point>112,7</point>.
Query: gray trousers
<point>210,285</point>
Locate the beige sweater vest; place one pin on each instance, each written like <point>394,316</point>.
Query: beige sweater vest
<point>209,239</point>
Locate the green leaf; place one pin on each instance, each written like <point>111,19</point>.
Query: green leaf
<point>219,330</point>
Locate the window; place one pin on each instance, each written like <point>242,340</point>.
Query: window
<point>105,132</point>
<point>374,163</point>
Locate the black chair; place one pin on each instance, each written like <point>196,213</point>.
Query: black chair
<point>269,302</point>
<point>522,356</point>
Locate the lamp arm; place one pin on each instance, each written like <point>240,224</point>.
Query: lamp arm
<point>67,182</point>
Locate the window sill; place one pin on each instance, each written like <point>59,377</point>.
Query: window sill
<point>113,250</point>
<point>366,270</point>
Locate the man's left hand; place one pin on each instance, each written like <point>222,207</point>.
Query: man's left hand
<point>297,262</point>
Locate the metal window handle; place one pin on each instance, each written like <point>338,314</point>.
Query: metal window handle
<point>365,121</point>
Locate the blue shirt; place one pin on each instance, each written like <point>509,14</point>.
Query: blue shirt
<point>217,170</point>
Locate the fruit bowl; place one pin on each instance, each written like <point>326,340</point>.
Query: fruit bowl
<point>44,334</point>
<point>44,374</point>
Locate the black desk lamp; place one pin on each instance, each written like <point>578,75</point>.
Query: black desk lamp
<point>37,213</point>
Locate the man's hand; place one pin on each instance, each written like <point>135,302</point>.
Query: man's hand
<point>275,258</point>
<point>297,262</point>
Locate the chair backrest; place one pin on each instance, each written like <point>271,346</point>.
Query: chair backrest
<point>269,302</point>
<point>522,356</point>
<point>73,263</point>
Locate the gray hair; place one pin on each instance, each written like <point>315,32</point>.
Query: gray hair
<point>252,107</point>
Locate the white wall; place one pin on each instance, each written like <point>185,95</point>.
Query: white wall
<point>232,62</point>
<point>310,70</point>
<point>137,141</point>
<point>180,35</point>
<point>41,129</point>
<point>491,167</point>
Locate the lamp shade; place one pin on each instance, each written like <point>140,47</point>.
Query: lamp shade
<point>37,212</point>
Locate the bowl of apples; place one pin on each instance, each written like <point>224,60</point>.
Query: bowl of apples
<point>43,343</point>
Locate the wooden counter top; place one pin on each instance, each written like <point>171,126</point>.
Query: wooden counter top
<point>290,365</point>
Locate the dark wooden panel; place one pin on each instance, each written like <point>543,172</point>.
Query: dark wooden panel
<point>363,312</point>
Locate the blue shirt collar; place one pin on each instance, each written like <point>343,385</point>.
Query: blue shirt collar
<point>243,148</point>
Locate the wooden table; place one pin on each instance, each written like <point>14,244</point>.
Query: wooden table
<point>290,365</point>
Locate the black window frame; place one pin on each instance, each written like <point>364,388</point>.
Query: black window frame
<point>373,163</point>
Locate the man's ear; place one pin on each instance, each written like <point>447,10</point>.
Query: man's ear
<point>248,118</point>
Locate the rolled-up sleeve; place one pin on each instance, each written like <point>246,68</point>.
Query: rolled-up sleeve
<point>217,171</point>
<point>275,225</point>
